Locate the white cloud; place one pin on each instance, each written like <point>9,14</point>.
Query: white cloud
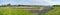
<point>47,1</point>
<point>31,2</point>
<point>54,2</point>
<point>37,0</point>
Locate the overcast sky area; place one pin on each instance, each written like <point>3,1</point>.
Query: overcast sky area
<point>31,2</point>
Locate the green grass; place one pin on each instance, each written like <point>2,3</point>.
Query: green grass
<point>10,11</point>
<point>55,11</point>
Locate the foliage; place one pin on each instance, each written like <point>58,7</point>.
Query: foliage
<point>56,5</point>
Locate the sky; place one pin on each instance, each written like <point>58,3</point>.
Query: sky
<point>30,2</point>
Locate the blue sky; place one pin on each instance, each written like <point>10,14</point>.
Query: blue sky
<point>31,2</point>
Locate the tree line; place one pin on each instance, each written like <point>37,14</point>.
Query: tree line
<point>10,5</point>
<point>56,5</point>
<point>26,5</point>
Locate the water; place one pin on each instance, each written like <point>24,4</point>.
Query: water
<point>40,11</point>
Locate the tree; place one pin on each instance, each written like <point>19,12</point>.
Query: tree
<point>19,5</point>
<point>8,4</point>
<point>56,5</point>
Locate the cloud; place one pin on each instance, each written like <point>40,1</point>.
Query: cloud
<point>27,2</point>
<point>39,2</point>
<point>53,2</point>
<point>30,2</point>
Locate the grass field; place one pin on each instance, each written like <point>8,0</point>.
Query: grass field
<point>10,11</point>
